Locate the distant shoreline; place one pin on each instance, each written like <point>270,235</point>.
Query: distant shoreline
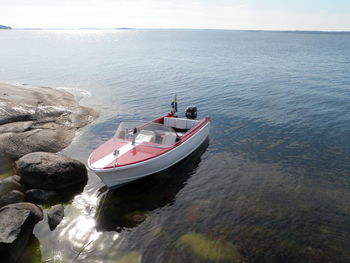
<point>87,28</point>
<point>5,27</point>
<point>241,30</point>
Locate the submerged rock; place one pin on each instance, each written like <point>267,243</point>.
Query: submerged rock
<point>32,252</point>
<point>16,178</point>
<point>11,197</point>
<point>6,166</point>
<point>50,171</point>
<point>38,119</point>
<point>134,218</point>
<point>55,215</point>
<point>132,257</point>
<point>16,225</point>
<point>41,196</point>
<point>208,249</point>
<point>8,184</point>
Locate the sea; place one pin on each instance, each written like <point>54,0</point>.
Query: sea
<point>271,184</point>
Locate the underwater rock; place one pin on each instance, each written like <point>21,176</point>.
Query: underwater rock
<point>11,197</point>
<point>41,196</point>
<point>32,252</point>
<point>135,218</point>
<point>50,171</point>
<point>36,119</point>
<point>55,215</point>
<point>16,225</point>
<point>132,257</point>
<point>209,249</point>
<point>8,184</point>
<point>16,178</point>
<point>6,166</point>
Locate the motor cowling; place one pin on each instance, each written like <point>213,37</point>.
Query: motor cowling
<point>191,112</point>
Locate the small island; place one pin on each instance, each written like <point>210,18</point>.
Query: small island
<point>5,27</point>
<point>125,28</point>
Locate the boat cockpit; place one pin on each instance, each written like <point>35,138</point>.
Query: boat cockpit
<point>154,134</point>
<point>146,133</point>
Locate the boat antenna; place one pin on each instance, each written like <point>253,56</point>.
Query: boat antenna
<point>174,106</point>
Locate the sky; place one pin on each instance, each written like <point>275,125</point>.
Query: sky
<point>328,15</point>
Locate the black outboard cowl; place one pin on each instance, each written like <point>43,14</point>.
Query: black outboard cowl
<point>191,112</point>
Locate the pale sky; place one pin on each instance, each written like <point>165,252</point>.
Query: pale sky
<point>215,14</point>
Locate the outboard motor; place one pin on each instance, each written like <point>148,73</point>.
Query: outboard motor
<point>191,112</point>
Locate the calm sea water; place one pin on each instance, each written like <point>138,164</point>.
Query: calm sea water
<point>272,183</point>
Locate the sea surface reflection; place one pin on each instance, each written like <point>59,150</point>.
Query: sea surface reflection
<point>272,186</point>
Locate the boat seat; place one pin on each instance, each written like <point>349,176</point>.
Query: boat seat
<point>145,136</point>
<point>180,123</point>
<point>169,139</point>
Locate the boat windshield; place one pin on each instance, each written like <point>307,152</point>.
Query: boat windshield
<point>146,133</point>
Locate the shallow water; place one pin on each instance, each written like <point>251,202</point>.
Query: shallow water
<point>272,185</point>
<point>6,167</point>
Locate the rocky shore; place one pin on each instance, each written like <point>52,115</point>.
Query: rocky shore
<point>38,119</point>
<point>35,123</point>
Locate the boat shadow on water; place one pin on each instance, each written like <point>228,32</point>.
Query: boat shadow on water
<point>127,207</point>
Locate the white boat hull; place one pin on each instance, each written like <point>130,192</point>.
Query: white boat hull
<point>115,177</point>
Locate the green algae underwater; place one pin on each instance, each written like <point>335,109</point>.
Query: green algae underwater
<point>6,167</point>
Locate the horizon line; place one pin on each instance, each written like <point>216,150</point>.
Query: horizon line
<point>175,28</point>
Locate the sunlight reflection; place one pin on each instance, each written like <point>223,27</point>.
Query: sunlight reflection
<point>82,234</point>
<point>57,258</point>
<point>115,236</point>
<point>69,34</point>
<point>86,203</point>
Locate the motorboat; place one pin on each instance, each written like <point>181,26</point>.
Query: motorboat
<point>141,148</point>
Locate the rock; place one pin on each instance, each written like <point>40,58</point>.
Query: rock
<point>210,249</point>
<point>16,178</point>
<point>131,257</point>
<point>50,171</point>
<point>16,225</point>
<point>41,196</point>
<point>6,166</point>
<point>8,184</point>
<point>11,197</point>
<point>32,252</point>
<point>37,139</point>
<point>38,119</point>
<point>55,215</point>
